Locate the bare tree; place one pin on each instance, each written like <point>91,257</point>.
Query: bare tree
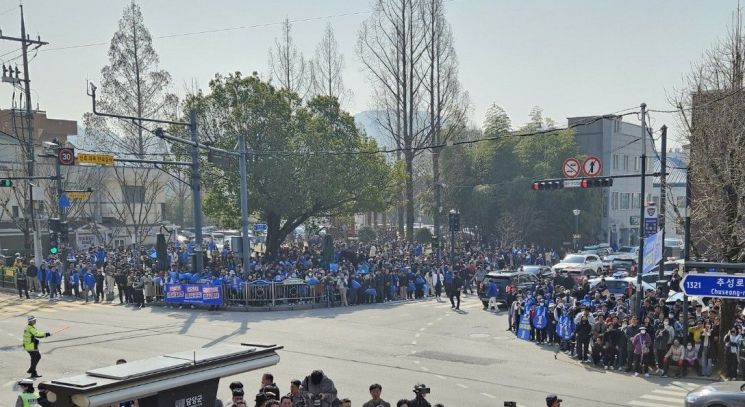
<point>716,133</point>
<point>141,189</point>
<point>391,45</point>
<point>447,103</point>
<point>326,68</point>
<point>132,85</point>
<point>286,63</point>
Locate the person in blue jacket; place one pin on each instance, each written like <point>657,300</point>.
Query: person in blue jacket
<point>55,278</point>
<point>75,281</point>
<point>43,279</point>
<point>89,284</point>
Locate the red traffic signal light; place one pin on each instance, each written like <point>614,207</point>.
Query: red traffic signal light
<point>548,184</point>
<point>598,182</point>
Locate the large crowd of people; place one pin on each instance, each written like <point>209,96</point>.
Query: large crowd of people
<point>590,324</point>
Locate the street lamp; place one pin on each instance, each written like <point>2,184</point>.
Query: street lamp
<point>576,213</point>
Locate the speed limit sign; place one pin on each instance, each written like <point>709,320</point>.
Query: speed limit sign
<point>66,156</point>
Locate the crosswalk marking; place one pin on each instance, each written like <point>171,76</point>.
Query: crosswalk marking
<point>660,398</point>
<point>491,396</point>
<point>669,395</point>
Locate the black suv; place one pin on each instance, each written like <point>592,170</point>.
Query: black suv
<point>519,280</point>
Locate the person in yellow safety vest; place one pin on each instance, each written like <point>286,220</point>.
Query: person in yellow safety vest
<point>28,396</point>
<point>31,337</point>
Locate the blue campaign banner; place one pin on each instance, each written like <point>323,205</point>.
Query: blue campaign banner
<point>523,330</point>
<point>714,285</point>
<point>539,320</point>
<point>193,294</point>
<point>652,252</point>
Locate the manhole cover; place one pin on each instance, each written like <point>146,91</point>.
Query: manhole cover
<point>479,335</point>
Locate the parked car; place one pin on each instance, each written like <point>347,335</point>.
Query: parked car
<point>601,249</point>
<point>667,269</point>
<point>618,286</point>
<point>722,394</point>
<point>539,271</point>
<point>579,264</point>
<point>622,267</point>
<point>519,280</point>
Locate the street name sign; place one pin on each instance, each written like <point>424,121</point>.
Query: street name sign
<point>81,195</point>
<point>572,183</point>
<point>714,285</point>
<point>259,227</point>
<point>98,159</point>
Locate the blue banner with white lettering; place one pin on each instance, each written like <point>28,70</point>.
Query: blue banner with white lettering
<point>523,330</point>
<point>193,294</point>
<point>565,328</point>
<point>539,319</point>
<point>652,252</point>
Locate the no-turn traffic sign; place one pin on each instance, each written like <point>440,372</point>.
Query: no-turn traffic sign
<point>570,168</point>
<point>592,166</point>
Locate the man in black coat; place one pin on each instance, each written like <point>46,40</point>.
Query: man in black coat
<point>455,291</point>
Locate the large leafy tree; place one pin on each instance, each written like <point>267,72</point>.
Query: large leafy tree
<point>307,160</point>
<point>489,183</point>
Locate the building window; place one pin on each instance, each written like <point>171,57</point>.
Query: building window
<point>133,194</point>
<point>626,163</point>
<point>162,211</point>
<point>605,205</point>
<point>625,200</point>
<point>636,163</point>
<point>16,212</point>
<point>614,200</point>
<point>615,161</point>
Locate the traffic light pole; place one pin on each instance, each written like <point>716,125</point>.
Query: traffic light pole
<point>61,254</point>
<point>663,197</point>
<point>640,262</point>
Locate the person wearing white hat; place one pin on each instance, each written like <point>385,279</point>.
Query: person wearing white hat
<point>31,337</point>
<point>28,397</point>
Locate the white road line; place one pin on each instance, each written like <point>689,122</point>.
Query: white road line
<point>491,396</point>
<point>671,391</point>
<point>649,404</point>
<point>661,398</point>
<point>424,368</point>
<point>685,385</point>
<point>421,329</point>
<point>416,362</point>
<point>413,342</point>
<point>441,377</point>
<point>462,386</point>
<point>429,323</point>
<point>413,352</point>
<point>417,335</point>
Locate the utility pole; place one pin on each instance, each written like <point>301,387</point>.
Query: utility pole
<point>687,242</point>
<point>245,243</point>
<point>25,42</point>
<point>640,262</point>
<point>196,179</point>
<point>62,231</point>
<point>663,192</point>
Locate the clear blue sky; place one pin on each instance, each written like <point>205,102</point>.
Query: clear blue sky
<point>571,57</point>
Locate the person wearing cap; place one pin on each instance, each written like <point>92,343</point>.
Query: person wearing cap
<point>553,400</point>
<point>28,396</point>
<point>31,337</point>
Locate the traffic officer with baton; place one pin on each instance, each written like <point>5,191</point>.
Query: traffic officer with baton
<point>31,337</point>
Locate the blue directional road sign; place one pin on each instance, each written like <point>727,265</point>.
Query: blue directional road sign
<point>714,285</point>
<point>259,227</point>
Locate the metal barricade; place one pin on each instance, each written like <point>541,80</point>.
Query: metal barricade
<point>258,295</point>
<point>234,296</point>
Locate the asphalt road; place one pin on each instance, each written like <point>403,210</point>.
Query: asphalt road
<point>466,357</point>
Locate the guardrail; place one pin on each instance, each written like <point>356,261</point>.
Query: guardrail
<point>275,294</point>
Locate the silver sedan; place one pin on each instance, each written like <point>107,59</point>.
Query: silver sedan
<point>724,394</point>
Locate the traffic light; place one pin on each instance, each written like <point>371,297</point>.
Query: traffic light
<point>454,220</point>
<point>53,243</point>
<point>6,183</point>
<point>598,182</point>
<point>544,185</point>
<point>63,232</point>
